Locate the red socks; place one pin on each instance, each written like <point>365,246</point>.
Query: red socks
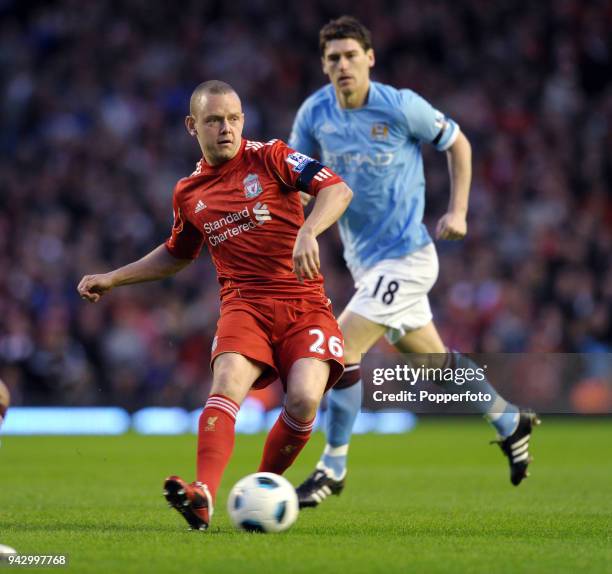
<point>215,440</point>
<point>285,441</point>
<point>216,435</point>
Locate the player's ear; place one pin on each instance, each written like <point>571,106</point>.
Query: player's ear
<point>324,63</point>
<point>190,125</point>
<point>371,58</point>
<point>324,66</point>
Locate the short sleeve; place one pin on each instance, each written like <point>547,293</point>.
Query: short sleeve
<point>426,123</point>
<point>299,171</point>
<point>185,241</point>
<point>302,138</point>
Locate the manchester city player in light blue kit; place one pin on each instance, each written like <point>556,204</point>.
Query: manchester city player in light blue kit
<point>371,135</point>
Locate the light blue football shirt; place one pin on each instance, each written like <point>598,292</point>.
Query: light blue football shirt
<point>376,149</point>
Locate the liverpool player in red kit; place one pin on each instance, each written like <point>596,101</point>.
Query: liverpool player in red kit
<point>242,201</point>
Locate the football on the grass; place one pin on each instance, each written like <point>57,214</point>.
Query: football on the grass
<point>263,502</point>
<point>5,400</point>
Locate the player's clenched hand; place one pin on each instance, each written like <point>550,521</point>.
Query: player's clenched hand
<point>92,287</point>
<point>306,262</point>
<point>451,226</point>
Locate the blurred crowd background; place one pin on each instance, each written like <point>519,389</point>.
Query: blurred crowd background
<point>92,141</point>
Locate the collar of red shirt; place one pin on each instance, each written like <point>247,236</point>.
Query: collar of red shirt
<point>225,166</point>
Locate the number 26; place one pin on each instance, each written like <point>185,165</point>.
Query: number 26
<point>333,344</point>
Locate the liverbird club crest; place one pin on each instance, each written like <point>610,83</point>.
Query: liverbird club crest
<point>252,187</point>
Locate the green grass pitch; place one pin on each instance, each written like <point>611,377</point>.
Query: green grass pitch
<point>435,500</point>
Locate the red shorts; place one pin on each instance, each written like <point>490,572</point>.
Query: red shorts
<point>278,332</point>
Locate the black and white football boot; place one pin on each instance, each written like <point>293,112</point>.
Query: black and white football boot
<point>516,446</point>
<point>318,486</point>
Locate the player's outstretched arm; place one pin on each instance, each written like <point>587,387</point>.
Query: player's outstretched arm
<point>329,205</point>
<point>453,224</point>
<point>157,264</point>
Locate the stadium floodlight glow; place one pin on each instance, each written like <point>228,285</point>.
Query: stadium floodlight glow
<point>170,421</point>
<point>364,423</point>
<point>394,423</point>
<point>161,420</point>
<point>66,421</point>
<point>251,417</point>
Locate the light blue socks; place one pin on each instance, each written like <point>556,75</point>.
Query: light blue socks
<point>342,409</point>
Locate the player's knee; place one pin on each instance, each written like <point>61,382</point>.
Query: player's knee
<point>227,382</point>
<point>303,406</point>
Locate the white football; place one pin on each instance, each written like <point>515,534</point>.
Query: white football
<point>6,551</point>
<point>263,502</point>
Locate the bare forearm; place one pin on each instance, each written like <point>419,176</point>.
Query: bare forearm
<point>329,205</point>
<point>460,171</point>
<point>158,264</point>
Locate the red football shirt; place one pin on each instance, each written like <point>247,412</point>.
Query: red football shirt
<point>248,212</point>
